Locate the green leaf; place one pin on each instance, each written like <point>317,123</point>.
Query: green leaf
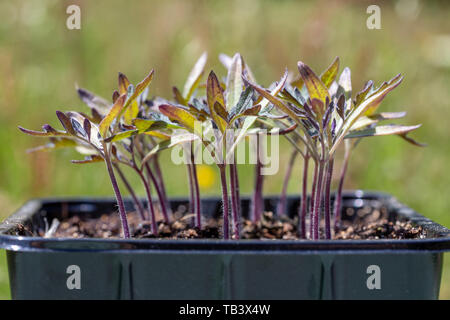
<point>145,125</point>
<point>316,88</point>
<point>195,76</point>
<point>245,102</point>
<point>111,116</point>
<point>329,75</point>
<point>122,135</point>
<point>234,82</point>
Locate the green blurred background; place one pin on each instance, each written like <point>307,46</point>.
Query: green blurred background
<point>41,60</point>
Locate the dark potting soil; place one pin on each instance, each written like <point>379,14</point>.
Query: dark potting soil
<point>367,223</point>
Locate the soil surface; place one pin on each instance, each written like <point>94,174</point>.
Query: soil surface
<point>366,223</point>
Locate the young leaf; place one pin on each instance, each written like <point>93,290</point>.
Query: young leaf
<point>48,132</point>
<point>194,77</point>
<point>372,100</point>
<point>234,82</point>
<point>214,94</point>
<point>93,101</point>
<point>394,81</point>
<point>345,82</point>
<point>382,131</point>
<point>316,88</point>
<point>140,87</point>
<point>124,83</point>
<point>65,121</point>
<point>111,116</point>
<point>178,97</point>
<point>330,74</point>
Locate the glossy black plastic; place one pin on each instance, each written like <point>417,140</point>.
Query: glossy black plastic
<point>218,269</point>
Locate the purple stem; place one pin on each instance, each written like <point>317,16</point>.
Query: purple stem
<point>223,180</point>
<point>281,208</point>
<point>318,202</point>
<point>122,212</point>
<point>304,199</point>
<point>191,188</point>
<point>161,183</point>
<point>313,197</point>
<point>162,203</point>
<point>137,203</point>
<point>234,200</point>
<point>196,195</point>
<point>257,200</point>
<point>327,215</point>
<point>338,199</point>
<point>149,201</point>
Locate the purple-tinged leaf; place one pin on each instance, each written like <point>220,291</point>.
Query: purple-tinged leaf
<point>66,123</point>
<point>124,83</point>
<point>316,88</point>
<point>93,101</point>
<point>178,96</point>
<point>214,94</point>
<point>87,128</point>
<point>340,107</point>
<point>115,96</point>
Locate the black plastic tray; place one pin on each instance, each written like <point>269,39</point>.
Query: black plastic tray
<point>219,269</point>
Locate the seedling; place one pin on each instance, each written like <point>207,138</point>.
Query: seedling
<point>315,114</point>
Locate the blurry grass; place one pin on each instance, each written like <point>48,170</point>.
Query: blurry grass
<point>40,61</point>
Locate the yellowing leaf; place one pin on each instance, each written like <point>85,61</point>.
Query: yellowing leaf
<point>314,85</point>
<point>329,75</point>
<point>111,116</point>
<point>181,116</point>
